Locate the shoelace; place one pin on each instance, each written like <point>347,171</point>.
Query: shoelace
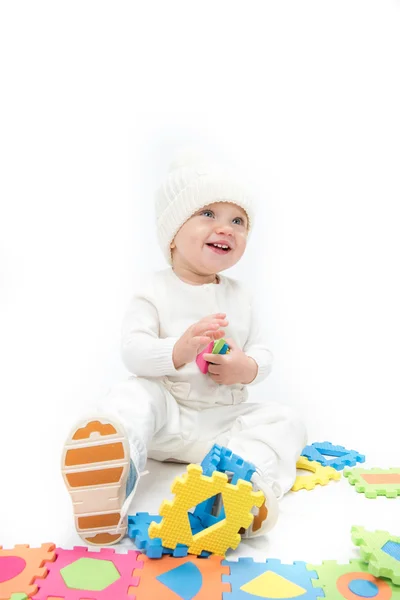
<point>128,499</point>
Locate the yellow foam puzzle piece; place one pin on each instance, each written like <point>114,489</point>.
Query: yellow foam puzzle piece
<point>190,490</point>
<point>321,475</point>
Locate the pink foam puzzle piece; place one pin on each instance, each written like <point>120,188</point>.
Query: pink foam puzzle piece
<point>201,363</point>
<point>55,586</point>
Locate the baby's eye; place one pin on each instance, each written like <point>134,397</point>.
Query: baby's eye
<point>239,219</point>
<point>207,211</point>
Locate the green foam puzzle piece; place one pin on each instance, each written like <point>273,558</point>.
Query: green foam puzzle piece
<point>218,345</point>
<point>90,574</point>
<point>375,482</point>
<point>19,596</point>
<point>380,550</point>
<point>333,576</point>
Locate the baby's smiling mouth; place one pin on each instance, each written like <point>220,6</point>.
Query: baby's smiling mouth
<point>219,248</point>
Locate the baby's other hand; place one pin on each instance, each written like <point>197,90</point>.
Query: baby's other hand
<point>197,337</point>
<point>235,367</point>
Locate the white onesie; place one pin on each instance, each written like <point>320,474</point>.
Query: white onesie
<point>179,414</point>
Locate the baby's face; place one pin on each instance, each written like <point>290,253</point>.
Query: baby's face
<point>221,222</point>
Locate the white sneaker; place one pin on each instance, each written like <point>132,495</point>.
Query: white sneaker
<point>95,468</point>
<point>266,516</point>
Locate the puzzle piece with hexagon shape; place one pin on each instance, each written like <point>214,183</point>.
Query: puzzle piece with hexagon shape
<point>138,531</point>
<point>352,581</point>
<point>190,490</point>
<point>341,457</point>
<point>78,574</point>
<point>380,550</point>
<point>269,579</point>
<point>320,475</point>
<point>375,482</point>
<point>22,567</point>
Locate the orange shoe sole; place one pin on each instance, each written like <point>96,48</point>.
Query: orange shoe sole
<point>95,468</point>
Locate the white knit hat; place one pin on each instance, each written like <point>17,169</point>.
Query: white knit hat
<point>191,184</point>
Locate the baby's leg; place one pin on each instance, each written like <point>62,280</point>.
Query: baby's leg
<point>146,409</point>
<point>271,436</point>
<point>105,453</point>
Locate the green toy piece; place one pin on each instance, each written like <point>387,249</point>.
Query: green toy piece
<point>95,573</point>
<point>19,597</point>
<point>219,345</point>
<point>352,581</point>
<point>380,550</point>
<point>375,482</point>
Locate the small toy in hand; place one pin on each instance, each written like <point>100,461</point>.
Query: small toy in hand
<point>217,347</point>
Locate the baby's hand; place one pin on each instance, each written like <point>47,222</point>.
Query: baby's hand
<point>197,337</point>
<point>235,367</point>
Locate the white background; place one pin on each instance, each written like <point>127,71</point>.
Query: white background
<point>95,99</point>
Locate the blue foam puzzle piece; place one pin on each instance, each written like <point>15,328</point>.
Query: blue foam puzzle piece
<point>138,531</point>
<point>224,460</point>
<point>210,462</point>
<point>245,570</point>
<point>341,456</point>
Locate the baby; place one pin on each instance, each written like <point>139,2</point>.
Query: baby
<point>168,409</point>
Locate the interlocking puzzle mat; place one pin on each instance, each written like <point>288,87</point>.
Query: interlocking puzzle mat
<point>320,475</point>
<point>80,574</point>
<point>21,567</point>
<point>352,581</point>
<point>380,550</point>
<point>375,482</point>
<point>341,457</point>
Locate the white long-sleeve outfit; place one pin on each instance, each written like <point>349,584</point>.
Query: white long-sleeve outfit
<point>179,413</point>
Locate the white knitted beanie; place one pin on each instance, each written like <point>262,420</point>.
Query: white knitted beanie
<point>191,184</point>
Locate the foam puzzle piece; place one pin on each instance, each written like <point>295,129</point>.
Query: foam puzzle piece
<point>217,347</point>
<point>375,482</point>
<point>21,567</point>
<point>19,597</point>
<point>186,578</point>
<point>341,457</point>
<point>191,489</point>
<point>201,363</point>
<point>321,475</point>
<point>269,579</point>
<point>78,574</point>
<point>138,530</point>
<point>223,460</point>
<point>220,347</point>
<point>211,461</point>
<point>344,581</point>
<point>380,550</point>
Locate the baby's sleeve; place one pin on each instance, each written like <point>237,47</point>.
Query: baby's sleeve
<point>143,352</point>
<point>255,345</point>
